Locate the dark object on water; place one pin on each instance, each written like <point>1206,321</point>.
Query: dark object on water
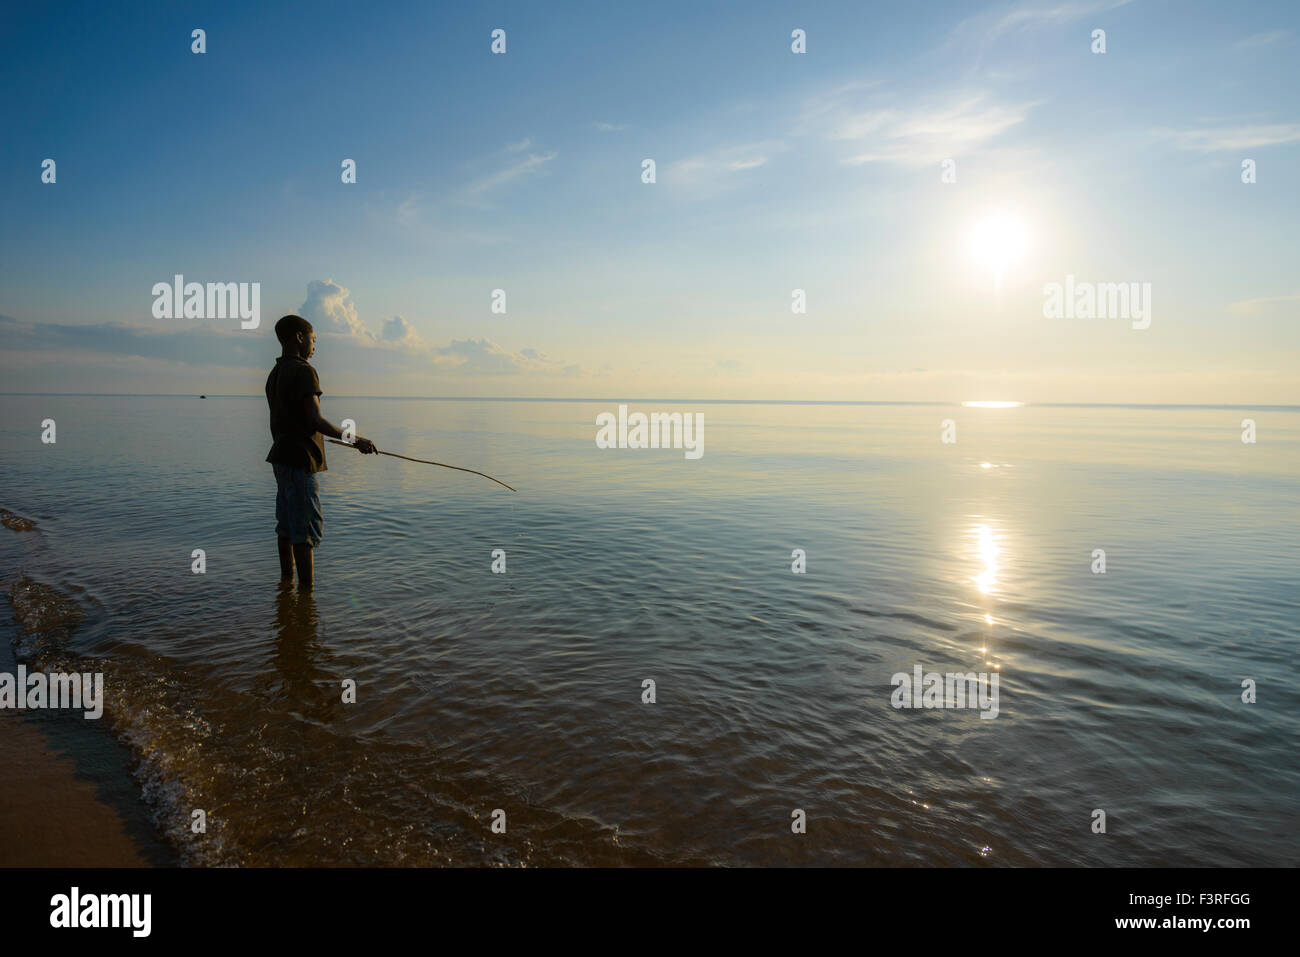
<point>203,397</point>
<point>427,462</point>
<point>9,520</point>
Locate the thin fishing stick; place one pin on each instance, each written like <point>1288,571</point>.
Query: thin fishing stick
<point>427,462</point>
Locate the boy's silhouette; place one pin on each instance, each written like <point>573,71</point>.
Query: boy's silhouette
<point>297,451</point>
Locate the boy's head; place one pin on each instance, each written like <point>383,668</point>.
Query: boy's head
<point>296,336</point>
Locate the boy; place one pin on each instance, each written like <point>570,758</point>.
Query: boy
<point>298,452</point>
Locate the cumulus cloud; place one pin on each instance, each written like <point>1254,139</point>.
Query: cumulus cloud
<point>329,309</point>
<point>398,331</point>
<point>330,301</point>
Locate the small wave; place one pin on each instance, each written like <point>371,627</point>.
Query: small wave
<point>904,616</point>
<point>141,708</point>
<point>45,617</point>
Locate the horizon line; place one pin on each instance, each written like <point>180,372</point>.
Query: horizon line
<point>496,398</point>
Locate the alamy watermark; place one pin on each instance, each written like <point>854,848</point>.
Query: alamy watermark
<point>658,430</point>
<point>1098,300</point>
<point>951,690</point>
<point>75,909</point>
<point>35,691</point>
<point>215,300</point>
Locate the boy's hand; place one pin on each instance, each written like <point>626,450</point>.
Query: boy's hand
<point>365,446</point>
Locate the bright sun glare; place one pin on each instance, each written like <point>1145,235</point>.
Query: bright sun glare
<point>998,242</point>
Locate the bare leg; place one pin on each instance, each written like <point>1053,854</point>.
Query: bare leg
<point>302,556</point>
<point>286,559</point>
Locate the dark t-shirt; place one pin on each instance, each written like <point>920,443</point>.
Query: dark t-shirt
<point>296,443</point>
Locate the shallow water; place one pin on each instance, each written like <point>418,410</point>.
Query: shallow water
<point>522,691</point>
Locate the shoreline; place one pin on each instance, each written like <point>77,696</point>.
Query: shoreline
<point>68,798</point>
<point>67,794</point>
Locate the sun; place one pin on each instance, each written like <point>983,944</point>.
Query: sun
<point>998,242</point>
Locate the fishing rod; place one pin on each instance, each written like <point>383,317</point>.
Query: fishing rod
<point>427,462</point>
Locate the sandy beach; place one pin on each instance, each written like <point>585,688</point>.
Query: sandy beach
<point>67,798</point>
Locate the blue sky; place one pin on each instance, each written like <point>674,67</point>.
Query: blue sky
<point>775,172</point>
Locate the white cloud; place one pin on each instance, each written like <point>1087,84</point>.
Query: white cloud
<point>398,331</point>
<point>329,309</point>
<point>398,349</point>
<point>485,357</point>
<point>609,127</point>
<point>328,303</point>
<point>833,101</point>
<point>996,22</point>
<point>1209,140</point>
<point>1264,306</point>
<point>919,135</point>
<point>529,166</point>
<point>718,170</point>
<point>1255,41</point>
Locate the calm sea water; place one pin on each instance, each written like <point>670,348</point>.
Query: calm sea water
<point>522,691</point>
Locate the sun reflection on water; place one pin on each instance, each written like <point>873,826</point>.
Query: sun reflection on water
<point>987,547</point>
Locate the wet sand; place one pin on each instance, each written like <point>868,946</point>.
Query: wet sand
<point>67,798</point>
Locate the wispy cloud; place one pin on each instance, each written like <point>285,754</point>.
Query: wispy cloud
<point>719,170</point>
<point>1266,39</point>
<point>997,22</point>
<point>609,127</point>
<point>1265,305</point>
<point>832,102</point>
<point>917,135</point>
<point>530,165</point>
<point>408,211</point>
<point>1212,139</point>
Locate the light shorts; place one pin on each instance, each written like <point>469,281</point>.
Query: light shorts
<point>297,506</point>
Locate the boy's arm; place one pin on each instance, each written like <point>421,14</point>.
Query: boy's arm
<point>311,407</point>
